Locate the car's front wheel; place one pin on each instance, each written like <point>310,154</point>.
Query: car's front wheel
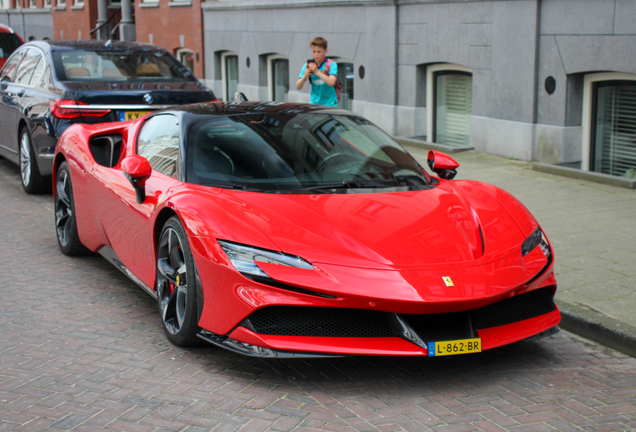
<point>65,224</point>
<point>177,285</point>
<point>32,181</point>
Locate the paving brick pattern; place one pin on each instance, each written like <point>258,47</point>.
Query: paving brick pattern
<point>81,348</point>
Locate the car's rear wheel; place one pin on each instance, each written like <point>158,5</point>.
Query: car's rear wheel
<point>32,181</point>
<point>177,285</point>
<point>65,223</point>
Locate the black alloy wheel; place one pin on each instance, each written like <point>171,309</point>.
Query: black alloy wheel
<point>177,285</point>
<point>32,181</point>
<point>65,224</point>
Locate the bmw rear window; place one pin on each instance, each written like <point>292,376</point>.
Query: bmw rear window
<point>119,65</point>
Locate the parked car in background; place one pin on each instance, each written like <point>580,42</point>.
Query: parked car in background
<point>9,42</point>
<point>46,86</point>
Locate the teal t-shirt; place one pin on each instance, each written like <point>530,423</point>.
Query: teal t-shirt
<point>321,92</point>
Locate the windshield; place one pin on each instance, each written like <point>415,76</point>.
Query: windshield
<point>119,65</point>
<point>298,152</point>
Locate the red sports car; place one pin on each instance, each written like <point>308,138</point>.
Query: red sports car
<point>287,230</point>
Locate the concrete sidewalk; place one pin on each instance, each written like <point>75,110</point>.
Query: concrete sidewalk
<point>592,228</point>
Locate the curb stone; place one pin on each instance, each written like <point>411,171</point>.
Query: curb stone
<point>598,327</point>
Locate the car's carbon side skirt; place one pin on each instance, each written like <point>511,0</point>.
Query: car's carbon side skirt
<point>110,255</point>
<point>256,351</point>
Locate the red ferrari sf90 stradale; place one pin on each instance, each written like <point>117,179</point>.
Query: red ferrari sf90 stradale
<point>302,231</point>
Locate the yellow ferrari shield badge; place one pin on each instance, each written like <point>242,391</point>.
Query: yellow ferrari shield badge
<point>448,281</point>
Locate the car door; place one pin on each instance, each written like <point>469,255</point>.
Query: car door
<point>8,112</point>
<point>35,106</point>
<point>126,223</point>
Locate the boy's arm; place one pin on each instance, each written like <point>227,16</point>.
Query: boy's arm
<point>329,80</point>
<point>304,73</point>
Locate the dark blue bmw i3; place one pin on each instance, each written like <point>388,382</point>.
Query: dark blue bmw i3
<point>45,86</point>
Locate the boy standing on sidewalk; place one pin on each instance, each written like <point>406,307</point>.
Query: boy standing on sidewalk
<point>322,75</point>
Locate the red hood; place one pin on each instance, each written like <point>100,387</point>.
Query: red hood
<point>400,230</point>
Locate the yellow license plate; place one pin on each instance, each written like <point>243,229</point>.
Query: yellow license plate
<point>131,115</point>
<point>461,346</point>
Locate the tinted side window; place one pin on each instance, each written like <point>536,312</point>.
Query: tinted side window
<point>38,72</point>
<point>9,42</point>
<point>159,143</point>
<point>27,66</point>
<point>8,72</point>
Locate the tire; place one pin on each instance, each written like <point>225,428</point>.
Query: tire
<point>32,181</point>
<point>65,224</point>
<point>177,285</point>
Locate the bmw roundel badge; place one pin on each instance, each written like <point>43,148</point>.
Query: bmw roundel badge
<point>148,98</point>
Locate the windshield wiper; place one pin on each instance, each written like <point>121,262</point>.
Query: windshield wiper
<point>344,185</point>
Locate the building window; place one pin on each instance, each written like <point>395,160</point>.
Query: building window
<point>609,124</point>
<point>613,144</point>
<point>61,3</point>
<point>32,3</point>
<point>5,4</point>
<point>229,75</point>
<point>449,104</point>
<point>186,57</point>
<point>47,3</point>
<point>278,77</point>
<point>345,76</point>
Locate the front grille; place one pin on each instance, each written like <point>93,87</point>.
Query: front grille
<point>318,321</point>
<point>513,309</point>
<point>340,322</point>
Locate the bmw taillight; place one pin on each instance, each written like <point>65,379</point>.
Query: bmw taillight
<point>70,109</point>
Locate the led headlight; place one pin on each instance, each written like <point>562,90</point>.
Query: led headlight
<point>537,238</point>
<point>244,258</point>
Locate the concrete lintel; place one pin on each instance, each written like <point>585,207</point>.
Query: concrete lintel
<point>288,4</point>
<point>585,175</point>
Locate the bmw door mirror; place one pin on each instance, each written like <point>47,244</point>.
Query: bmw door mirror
<point>137,170</point>
<point>239,97</point>
<point>442,164</point>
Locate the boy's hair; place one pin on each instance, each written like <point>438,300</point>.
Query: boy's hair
<point>319,42</point>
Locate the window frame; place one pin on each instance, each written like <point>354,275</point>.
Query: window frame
<point>340,61</point>
<point>430,92</point>
<point>185,51</point>
<point>587,122</point>
<point>224,56</point>
<point>270,75</point>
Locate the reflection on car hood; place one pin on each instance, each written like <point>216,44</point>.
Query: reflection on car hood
<point>432,228</point>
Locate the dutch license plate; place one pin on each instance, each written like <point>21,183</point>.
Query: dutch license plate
<point>131,115</point>
<point>453,347</point>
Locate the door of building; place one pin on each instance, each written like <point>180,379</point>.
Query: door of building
<point>453,107</point>
<point>613,149</point>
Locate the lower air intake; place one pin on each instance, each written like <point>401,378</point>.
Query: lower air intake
<point>318,321</point>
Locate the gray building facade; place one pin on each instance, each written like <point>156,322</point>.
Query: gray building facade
<point>547,80</point>
<point>26,22</point>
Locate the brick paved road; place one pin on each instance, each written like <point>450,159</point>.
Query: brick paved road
<point>81,348</point>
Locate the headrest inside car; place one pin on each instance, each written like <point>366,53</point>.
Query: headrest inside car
<point>77,72</point>
<point>112,73</point>
<point>148,69</point>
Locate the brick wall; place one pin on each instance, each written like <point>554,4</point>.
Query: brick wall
<point>73,19</point>
<point>168,23</point>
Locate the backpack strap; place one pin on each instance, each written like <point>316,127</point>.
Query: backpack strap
<point>327,66</point>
